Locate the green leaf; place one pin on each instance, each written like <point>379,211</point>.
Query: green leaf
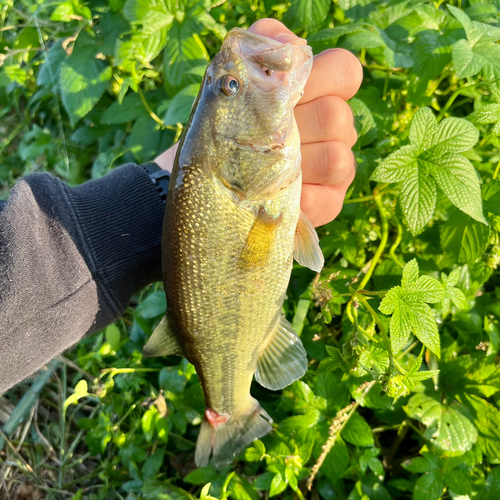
<point>456,433</point>
<point>278,485</point>
<point>428,487</point>
<point>423,125</point>
<point>81,391</point>
<point>148,422</point>
<point>201,475</point>
<point>130,109</point>
<point>49,72</point>
<point>307,14</point>
<point>83,79</point>
<point>407,304</point>
<point>336,462</point>
<point>418,465</point>
<point>458,482</point>
<point>423,408</point>
<point>463,238</point>
<point>418,197</point>
<point>452,294</point>
<point>432,156</point>
<point>453,135</point>
<point>396,166</point>
<point>486,418</point>
<point>492,486</point>
<point>357,431</point>
<point>152,15</point>
<point>465,61</point>
<point>180,107</point>
<point>152,306</point>
<point>183,52</point>
<point>153,463</point>
<point>113,336</point>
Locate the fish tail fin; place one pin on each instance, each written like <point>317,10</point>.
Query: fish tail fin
<point>227,438</point>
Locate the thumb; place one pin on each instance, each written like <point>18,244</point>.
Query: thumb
<point>273,29</point>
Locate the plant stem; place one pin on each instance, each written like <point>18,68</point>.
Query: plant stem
<point>152,114</point>
<point>381,247</point>
<point>495,175</point>
<point>358,200</point>
<point>338,424</point>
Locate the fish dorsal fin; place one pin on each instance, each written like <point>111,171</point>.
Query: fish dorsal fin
<point>306,248</point>
<point>260,240</point>
<point>284,360</point>
<point>163,342</point>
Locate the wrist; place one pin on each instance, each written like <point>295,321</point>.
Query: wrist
<point>166,160</point>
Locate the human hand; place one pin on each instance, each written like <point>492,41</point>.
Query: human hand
<point>326,127</point>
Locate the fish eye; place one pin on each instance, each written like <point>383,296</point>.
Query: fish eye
<point>230,85</point>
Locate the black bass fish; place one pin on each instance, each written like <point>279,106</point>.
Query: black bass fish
<point>232,228</point>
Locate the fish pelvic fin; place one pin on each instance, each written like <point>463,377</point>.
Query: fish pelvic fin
<point>284,359</point>
<point>306,250</point>
<point>226,435</point>
<point>163,342</point>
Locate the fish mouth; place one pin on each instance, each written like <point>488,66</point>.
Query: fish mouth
<point>270,63</point>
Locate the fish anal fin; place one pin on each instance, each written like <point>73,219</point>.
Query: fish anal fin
<point>260,240</point>
<point>307,251</point>
<point>230,435</point>
<point>162,342</point>
<point>284,359</point>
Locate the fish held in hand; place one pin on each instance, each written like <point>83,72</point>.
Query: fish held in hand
<point>232,228</point>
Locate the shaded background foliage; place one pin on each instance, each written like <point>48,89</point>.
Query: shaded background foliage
<point>401,399</point>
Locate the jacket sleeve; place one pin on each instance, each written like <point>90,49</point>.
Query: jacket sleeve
<point>70,259</point>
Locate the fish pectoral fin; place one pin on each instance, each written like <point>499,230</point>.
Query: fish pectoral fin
<point>163,342</point>
<point>284,360</point>
<point>260,240</point>
<point>306,250</point>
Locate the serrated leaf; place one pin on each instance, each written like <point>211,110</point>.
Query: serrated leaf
<point>417,465</point>
<point>418,197</point>
<point>486,418</point>
<point>491,197</point>
<point>278,485</point>
<point>463,238</point>
<point>407,304</point>
<point>152,15</point>
<point>83,79</point>
<point>453,135</point>
<point>183,52</point>
<point>465,61</point>
<point>423,125</point>
<point>309,13</point>
<point>396,166</point>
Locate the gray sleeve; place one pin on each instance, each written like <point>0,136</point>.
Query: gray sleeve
<point>70,260</point>
<point>48,298</point>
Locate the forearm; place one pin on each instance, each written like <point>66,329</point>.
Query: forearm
<point>70,259</point>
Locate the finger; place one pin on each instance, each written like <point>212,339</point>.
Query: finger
<point>166,160</point>
<point>328,163</point>
<point>273,29</point>
<point>334,72</point>
<point>322,204</point>
<point>327,118</point>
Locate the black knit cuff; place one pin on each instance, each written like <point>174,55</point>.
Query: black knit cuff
<point>116,223</point>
